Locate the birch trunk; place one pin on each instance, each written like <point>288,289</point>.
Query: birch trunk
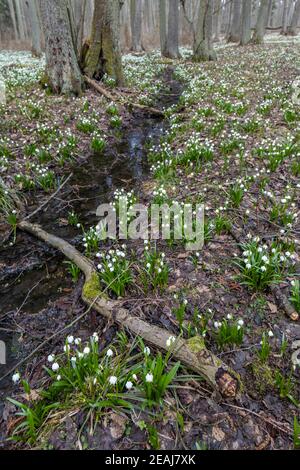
<point>104,54</point>
<point>203,47</point>
<point>62,69</point>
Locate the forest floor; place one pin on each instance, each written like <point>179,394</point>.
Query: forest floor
<point>229,140</point>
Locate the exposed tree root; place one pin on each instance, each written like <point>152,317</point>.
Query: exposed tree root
<point>192,353</point>
<point>118,97</point>
<point>280,298</point>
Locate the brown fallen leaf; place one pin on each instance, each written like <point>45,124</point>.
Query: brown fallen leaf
<point>272,307</point>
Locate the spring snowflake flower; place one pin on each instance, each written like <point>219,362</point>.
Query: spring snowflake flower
<point>241,322</point>
<point>70,339</point>
<point>66,348</point>
<point>55,367</point>
<point>129,385</point>
<point>134,376</point>
<point>263,269</point>
<point>95,337</point>
<point>110,353</point>
<point>147,351</point>
<point>50,358</point>
<point>16,378</point>
<point>149,378</point>
<point>229,316</point>
<point>170,341</point>
<point>270,334</point>
<point>73,359</point>
<point>86,350</point>
<point>248,266</point>
<point>58,378</point>
<point>113,380</point>
<point>77,341</point>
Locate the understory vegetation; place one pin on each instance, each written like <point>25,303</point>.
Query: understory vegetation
<point>230,140</point>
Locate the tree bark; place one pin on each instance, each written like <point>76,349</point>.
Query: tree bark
<point>163,26</point>
<point>36,46</point>
<point>246,23</point>
<point>136,25</point>
<point>62,69</point>
<point>172,48</point>
<point>235,27</point>
<point>261,23</point>
<point>217,19</point>
<point>285,13</point>
<point>292,29</point>
<point>203,47</point>
<point>13,18</point>
<point>104,53</point>
<point>20,20</point>
<point>192,353</point>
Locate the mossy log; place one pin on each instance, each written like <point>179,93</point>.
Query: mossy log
<point>192,353</point>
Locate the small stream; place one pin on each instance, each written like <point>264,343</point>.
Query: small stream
<point>33,275</point>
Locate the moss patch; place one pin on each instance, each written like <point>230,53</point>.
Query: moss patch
<point>91,288</point>
<point>263,377</point>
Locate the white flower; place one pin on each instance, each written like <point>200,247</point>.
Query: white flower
<point>263,269</point>
<point>16,378</point>
<point>241,322</point>
<point>216,324</point>
<point>77,341</point>
<point>134,376</point>
<point>58,378</point>
<point>170,341</point>
<point>149,378</point>
<point>66,348</point>
<point>70,339</point>
<point>50,358</point>
<point>229,316</point>
<point>110,353</point>
<point>55,366</point>
<point>113,380</point>
<point>86,350</point>
<point>248,266</point>
<point>147,351</point>
<point>271,334</point>
<point>129,385</point>
<point>95,337</point>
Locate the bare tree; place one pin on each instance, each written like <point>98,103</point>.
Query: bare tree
<point>292,29</point>
<point>235,26</point>
<point>172,47</point>
<point>246,23</point>
<point>261,24</point>
<point>136,25</point>
<point>163,26</point>
<point>285,14</point>
<point>104,53</point>
<point>203,47</point>
<point>62,69</point>
<point>36,46</point>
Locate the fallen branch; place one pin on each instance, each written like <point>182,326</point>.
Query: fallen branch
<point>281,299</point>
<point>192,353</point>
<point>100,89</point>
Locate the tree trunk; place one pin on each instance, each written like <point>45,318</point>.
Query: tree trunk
<point>172,49</point>
<point>235,27</point>
<point>246,23</point>
<point>36,46</point>
<point>163,26</point>
<point>203,47</point>
<point>62,69</point>
<point>261,23</point>
<point>104,54</point>
<point>285,16</point>
<point>136,25</point>
<point>20,20</point>
<point>217,19</point>
<point>13,18</point>
<point>292,29</point>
